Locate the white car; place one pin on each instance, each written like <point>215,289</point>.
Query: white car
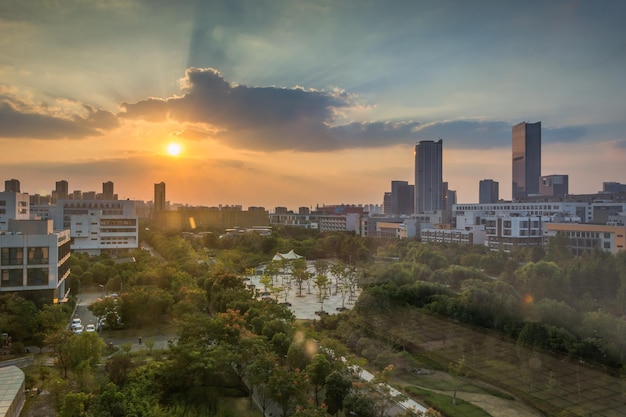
<point>90,328</point>
<point>79,329</point>
<point>76,323</point>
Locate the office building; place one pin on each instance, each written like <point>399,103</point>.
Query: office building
<point>13,206</point>
<point>159,196</point>
<point>388,203</point>
<point>554,185</point>
<point>585,238</point>
<point>613,187</point>
<point>428,176</point>
<point>526,160</point>
<point>488,191</point>
<point>402,199</point>
<point>12,186</point>
<point>107,191</point>
<point>35,260</point>
<point>61,190</point>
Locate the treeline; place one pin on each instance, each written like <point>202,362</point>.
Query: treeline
<point>551,301</point>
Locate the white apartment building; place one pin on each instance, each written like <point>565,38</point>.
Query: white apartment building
<point>471,235</point>
<point>13,206</point>
<point>95,225</point>
<point>35,260</point>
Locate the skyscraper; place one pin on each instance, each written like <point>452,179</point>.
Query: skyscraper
<point>488,191</point>
<point>61,190</point>
<point>107,190</point>
<point>401,197</point>
<point>428,176</point>
<point>526,159</point>
<point>159,196</point>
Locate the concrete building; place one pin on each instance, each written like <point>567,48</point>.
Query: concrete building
<point>95,225</point>
<point>584,238</point>
<point>159,197</point>
<point>554,185</point>
<point>35,260</point>
<point>107,191</point>
<point>526,160</point>
<point>402,198</point>
<point>488,191</point>
<point>12,186</point>
<point>428,176</point>
<point>471,235</point>
<point>61,190</point>
<point>506,233</point>
<point>613,187</point>
<point>13,206</point>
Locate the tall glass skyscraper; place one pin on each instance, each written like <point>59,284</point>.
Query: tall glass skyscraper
<point>526,159</point>
<point>428,176</point>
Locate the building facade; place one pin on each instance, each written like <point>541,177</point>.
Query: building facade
<point>526,159</point>
<point>402,198</point>
<point>35,260</point>
<point>13,206</point>
<point>428,176</point>
<point>488,191</point>
<point>159,196</point>
<point>554,185</point>
<point>585,238</point>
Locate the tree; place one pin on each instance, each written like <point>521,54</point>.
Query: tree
<point>359,403</point>
<point>337,388</point>
<point>457,369</point>
<point>286,388</point>
<point>321,284</point>
<point>317,371</point>
<point>261,369</point>
<point>384,395</point>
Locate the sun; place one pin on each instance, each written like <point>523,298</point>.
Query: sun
<point>174,149</point>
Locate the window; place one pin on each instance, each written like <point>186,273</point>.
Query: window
<point>11,278</point>
<point>37,276</point>
<point>12,256</point>
<point>607,245</point>
<point>38,255</point>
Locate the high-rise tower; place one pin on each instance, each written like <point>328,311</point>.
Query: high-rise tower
<point>159,196</point>
<point>107,190</point>
<point>526,159</point>
<point>61,190</point>
<point>428,176</point>
<point>488,191</point>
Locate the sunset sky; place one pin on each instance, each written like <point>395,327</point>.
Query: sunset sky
<point>297,103</point>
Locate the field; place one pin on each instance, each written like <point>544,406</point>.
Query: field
<point>554,386</point>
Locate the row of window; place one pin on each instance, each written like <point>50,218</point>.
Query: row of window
<point>15,277</point>
<point>15,256</point>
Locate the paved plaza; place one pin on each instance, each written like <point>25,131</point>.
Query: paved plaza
<point>305,306</point>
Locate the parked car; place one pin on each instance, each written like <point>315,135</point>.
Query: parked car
<point>79,329</point>
<point>90,328</point>
<point>76,323</point>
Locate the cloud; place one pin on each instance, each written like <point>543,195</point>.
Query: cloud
<point>620,144</point>
<point>20,119</point>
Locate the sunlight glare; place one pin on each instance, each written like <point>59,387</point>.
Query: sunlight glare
<point>174,149</point>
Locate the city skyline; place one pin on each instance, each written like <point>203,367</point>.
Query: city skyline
<point>294,103</point>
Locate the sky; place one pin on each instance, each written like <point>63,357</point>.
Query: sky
<point>305,102</point>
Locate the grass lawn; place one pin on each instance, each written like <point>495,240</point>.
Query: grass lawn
<point>442,384</point>
<point>443,403</point>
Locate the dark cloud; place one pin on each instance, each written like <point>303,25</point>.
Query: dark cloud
<point>19,121</point>
<point>273,118</point>
<point>563,134</point>
<point>620,144</point>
